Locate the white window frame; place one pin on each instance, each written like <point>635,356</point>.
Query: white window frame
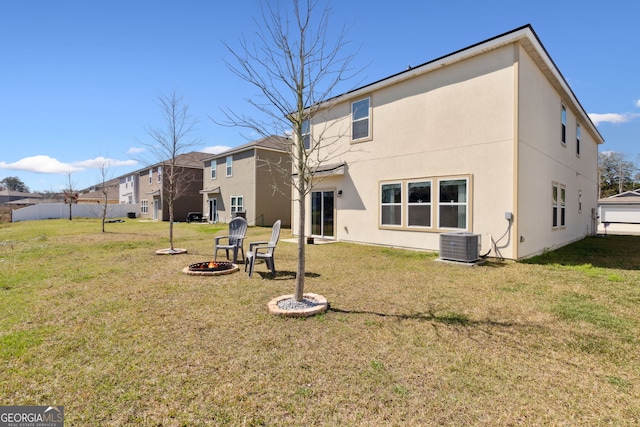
<point>578,139</point>
<point>392,204</point>
<point>159,174</point>
<point>460,203</point>
<point>558,205</point>
<point>237,204</point>
<point>355,120</point>
<point>563,119</point>
<point>306,134</point>
<point>144,206</point>
<point>213,169</point>
<point>229,165</point>
<point>436,206</point>
<point>420,203</point>
<point>150,176</point>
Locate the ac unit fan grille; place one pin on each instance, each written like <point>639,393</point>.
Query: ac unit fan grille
<point>463,247</point>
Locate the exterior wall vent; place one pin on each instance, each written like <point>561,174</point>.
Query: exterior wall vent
<point>462,247</point>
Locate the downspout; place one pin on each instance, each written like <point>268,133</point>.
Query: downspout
<point>516,145</point>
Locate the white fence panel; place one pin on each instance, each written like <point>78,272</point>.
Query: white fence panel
<point>61,210</point>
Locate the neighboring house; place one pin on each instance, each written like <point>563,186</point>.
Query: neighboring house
<point>152,185</point>
<point>128,188</point>
<point>7,196</point>
<point>95,194</point>
<point>248,180</point>
<point>489,140</point>
<point>620,214</point>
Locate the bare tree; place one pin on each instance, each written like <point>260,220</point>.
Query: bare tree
<point>103,168</point>
<point>296,67</point>
<point>170,141</point>
<point>70,194</point>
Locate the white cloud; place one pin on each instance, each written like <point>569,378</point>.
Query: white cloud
<point>615,118</point>
<point>99,161</point>
<point>135,150</point>
<point>46,164</point>
<point>637,103</point>
<point>42,164</point>
<point>216,149</point>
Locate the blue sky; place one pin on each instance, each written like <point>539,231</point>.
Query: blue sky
<point>79,80</point>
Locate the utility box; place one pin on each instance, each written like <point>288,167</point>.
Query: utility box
<point>460,246</point>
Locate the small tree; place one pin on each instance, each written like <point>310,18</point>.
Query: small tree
<point>70,194</point>
<point>295,69</point>
<point>170,141</point>
<point>103,168</point>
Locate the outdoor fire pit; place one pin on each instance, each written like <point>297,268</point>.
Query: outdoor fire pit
<point>210,268</point>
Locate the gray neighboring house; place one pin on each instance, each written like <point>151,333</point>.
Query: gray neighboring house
<point>19,198</point>
<point>620,214</point>
<point>248,181</point>
<point>152,184</point>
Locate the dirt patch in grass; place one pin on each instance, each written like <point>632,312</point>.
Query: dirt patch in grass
<point>98,323</point>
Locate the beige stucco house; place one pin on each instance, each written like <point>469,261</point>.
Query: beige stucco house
<point>251,180</point>
<point>489,140</point>
<point>152,185</point>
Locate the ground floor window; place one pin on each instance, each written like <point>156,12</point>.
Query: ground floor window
<point>391,204</point>
<point>144,206</point>
<point>426,203</point>
<point>453,204</point>
<point>558,205</point>
<point>237,204</point>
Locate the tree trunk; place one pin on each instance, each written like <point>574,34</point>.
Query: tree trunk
<point>171,226</point>
<point>299,291</point>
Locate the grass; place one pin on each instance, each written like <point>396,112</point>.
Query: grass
<point>119,336</point>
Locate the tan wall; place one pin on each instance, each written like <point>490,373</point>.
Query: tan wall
<point>543,159</point>
<point>273,188</point>
<point>253,179</point>
<point>145,189</point>
<point>457,121</point>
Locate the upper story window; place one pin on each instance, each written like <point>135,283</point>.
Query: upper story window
<point>229,165</point>
<point>213,169</point>
<point>577,140</point>
<point>564,125</point>
<point>360,119</point>
<point>159,173</point>
<point>150,176</point>
<point>306,134</point>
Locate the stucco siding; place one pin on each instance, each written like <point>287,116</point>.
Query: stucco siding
<point>454,122</point>
<point>544,161</point>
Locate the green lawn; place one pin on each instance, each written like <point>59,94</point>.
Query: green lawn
<point>120,336</point>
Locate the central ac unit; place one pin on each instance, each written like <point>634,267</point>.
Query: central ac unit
<point>461,246</point>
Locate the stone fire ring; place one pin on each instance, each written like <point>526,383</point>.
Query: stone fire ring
<point>320,307</point>
<point>233,269</point>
